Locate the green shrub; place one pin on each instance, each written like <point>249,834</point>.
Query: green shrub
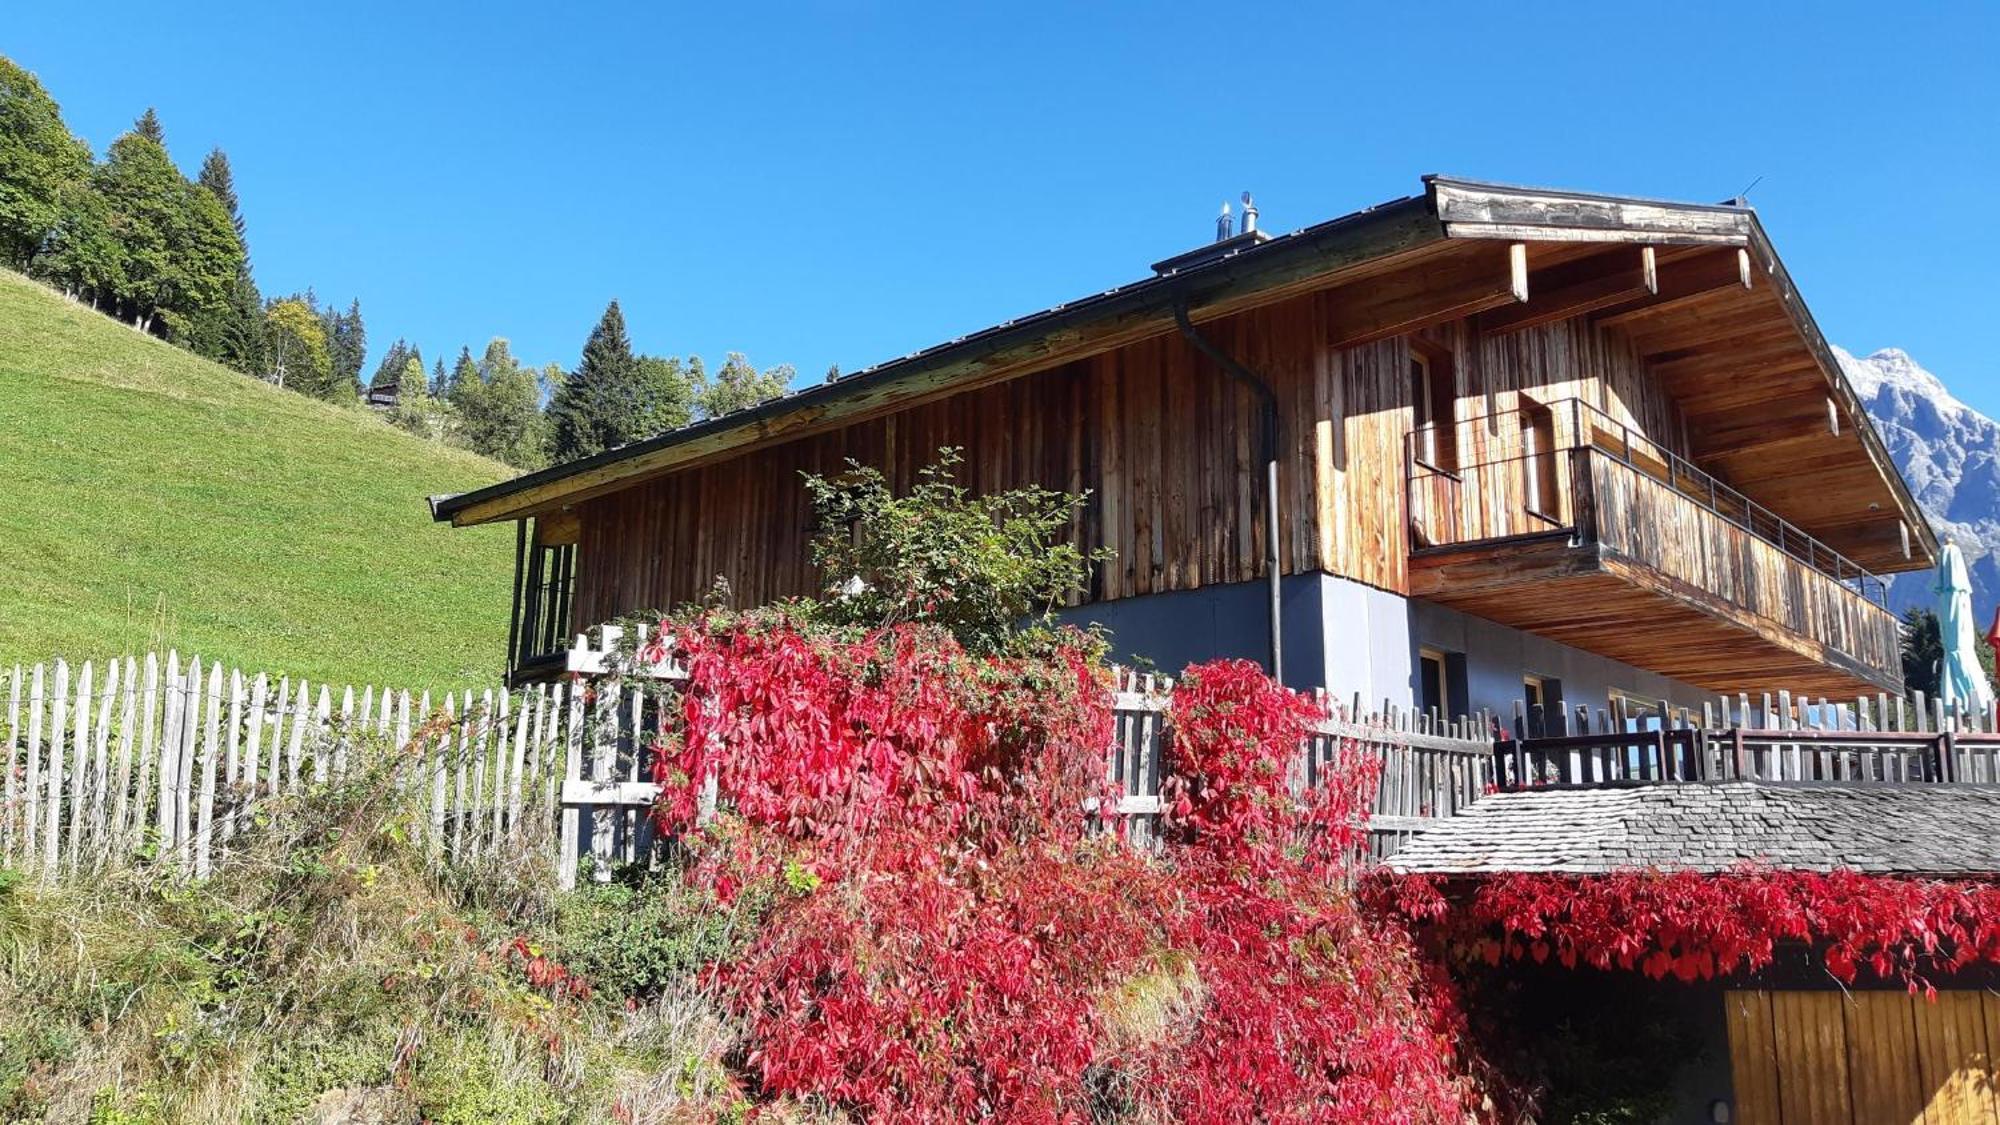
<point>637,939</point>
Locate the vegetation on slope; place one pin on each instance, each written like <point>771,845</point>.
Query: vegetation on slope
<point>156,499</point>
<point>332,972</point>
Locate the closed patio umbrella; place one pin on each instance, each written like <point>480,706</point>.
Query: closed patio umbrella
<point>1961,681</point>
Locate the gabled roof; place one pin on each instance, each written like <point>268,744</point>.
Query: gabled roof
<point>1770,326</point>
<point>1941,830</point>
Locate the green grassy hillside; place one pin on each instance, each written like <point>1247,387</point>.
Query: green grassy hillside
<point>151,499</point>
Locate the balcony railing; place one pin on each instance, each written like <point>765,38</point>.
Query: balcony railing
<point>1530,473</point>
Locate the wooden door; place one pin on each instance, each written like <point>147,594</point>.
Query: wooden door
<point>1864,1058</point>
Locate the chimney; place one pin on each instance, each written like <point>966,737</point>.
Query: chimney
<point>1228,240</point>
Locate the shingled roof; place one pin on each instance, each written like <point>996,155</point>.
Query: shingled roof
<point>1885,829</point>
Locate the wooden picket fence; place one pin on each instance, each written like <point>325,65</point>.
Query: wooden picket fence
<point>1431,768</point>
<point>156,761</point>
<point>152,760</point>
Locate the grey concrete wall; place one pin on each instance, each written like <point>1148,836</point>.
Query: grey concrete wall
<point>1167,632</point>
<point>1348,638</point>
<point>1338,634</point>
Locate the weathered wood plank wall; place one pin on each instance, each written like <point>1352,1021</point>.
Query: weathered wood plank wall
<point>1163,443</point>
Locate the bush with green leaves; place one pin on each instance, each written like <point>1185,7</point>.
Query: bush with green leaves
<point>979,565</point>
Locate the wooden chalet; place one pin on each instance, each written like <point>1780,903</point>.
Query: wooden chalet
<point>1526,441</point>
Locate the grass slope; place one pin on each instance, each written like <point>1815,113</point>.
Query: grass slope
<point>149,499</point>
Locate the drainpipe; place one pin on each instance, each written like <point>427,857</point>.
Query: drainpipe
<point>1267,447</point>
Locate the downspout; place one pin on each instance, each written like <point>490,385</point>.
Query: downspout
<point>1267,445</point>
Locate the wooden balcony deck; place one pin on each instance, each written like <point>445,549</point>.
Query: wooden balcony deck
<point>1639,557</point>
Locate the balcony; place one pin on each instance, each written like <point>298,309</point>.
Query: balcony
<point>1563,521</point>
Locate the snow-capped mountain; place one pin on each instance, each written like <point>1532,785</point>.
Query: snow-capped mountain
<point>1950,454</point>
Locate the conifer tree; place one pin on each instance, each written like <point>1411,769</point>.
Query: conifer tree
<point>389,372</point>
<point>233,334</point>
<point>346,343</point>
<point>148,126</point>
<point>593,409</point>
<point>497,406</point>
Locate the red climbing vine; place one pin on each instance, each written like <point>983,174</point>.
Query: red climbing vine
<point>1695,926</point>
<point>950,937</point>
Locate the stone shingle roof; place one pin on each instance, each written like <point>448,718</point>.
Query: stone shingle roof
<point>1910,829</point>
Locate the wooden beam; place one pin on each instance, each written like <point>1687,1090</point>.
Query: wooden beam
<point>1683,282</point>
<point>1430,293</point>
<point>1578,288</point>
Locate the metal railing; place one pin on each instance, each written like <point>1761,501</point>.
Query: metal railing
<point>1591,429</point>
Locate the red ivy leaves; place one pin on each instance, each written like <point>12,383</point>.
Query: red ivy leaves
<point>550,976</point>
<point>963,940</point>
<point>1696,926</point>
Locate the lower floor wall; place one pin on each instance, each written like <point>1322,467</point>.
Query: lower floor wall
<point>1498,659</point>
<point>1352,639</point>
<point>1833,1057</point>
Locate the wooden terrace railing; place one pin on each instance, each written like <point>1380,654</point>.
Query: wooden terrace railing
<point>1870,741</point>
<point>1600,483</point>
<point>1529,482</point>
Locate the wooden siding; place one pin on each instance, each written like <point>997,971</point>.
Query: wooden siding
<point>1163,443</point>
<point>1863,1058</point>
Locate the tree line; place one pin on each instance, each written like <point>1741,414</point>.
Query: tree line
<point>132,236</point>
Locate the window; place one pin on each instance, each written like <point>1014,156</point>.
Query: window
<point>1538,462</point>
<point>544,585</point>
<point>1432,417</point>
<point>1431,692</point>
<point>1441,682</point>
<point>1542,702</point>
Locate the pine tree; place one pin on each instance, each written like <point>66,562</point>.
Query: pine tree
<point>148,126</point>
<point>233,334</point>
<point>389,372</point>
<point>346,343</point>
<point>464,377</point>
<point>42,167</point>
<point>739,386</point>
<point>438,381</point>
<point>593,409</point>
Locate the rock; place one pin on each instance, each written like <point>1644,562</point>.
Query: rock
<point>364,1105</point>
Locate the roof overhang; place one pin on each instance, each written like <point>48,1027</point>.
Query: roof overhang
<point>1562,230</point>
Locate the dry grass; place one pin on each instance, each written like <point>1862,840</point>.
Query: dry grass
<point>327,966</point>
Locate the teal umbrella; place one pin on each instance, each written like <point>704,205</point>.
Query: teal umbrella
<point>1961,681</point>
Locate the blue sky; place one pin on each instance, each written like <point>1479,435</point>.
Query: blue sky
<point>847,182</point>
